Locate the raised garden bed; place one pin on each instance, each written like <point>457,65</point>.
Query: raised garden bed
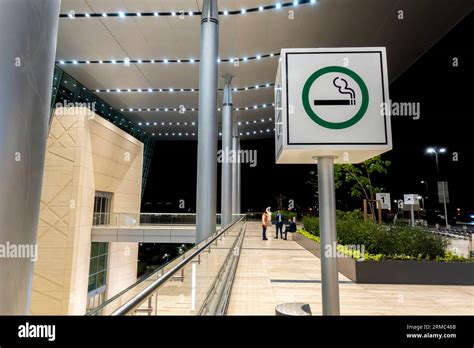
<point>397,272</point>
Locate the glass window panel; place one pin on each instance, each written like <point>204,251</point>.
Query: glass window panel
<point>100,279</point>
<point>102,248</point>
<point>102,262</point>
<point>92,282</point>
<point>94,249</point>
<point>93,265</point>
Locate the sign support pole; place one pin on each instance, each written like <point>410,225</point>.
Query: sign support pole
<point>445,213</point>
<point>379,211</point>
<point>327,227</point>
<point>412,213</point>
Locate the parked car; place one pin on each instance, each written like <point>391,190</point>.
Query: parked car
<point>466,218</point>
<point>436,216</point>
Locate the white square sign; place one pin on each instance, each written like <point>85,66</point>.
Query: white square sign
<point>409,199</point>
<point>331,102</point>
<point>384,198</point>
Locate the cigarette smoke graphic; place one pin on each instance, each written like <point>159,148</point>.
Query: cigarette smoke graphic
<point>343,89</point>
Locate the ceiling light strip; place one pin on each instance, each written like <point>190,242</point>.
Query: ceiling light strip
<point>245,108</point>
<point>185,134</point>
<point>182,13</point>
<point>162,123</point>
<point>173,90</point>
<point>126,62</point>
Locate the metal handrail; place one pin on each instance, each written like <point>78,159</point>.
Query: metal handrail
<point>149,290</point>
<point>116,219</point>
<point>217,298</point>
<point>143,278</point>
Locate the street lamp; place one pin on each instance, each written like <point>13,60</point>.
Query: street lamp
<point>431,150</point>
<point>426,184</point>
<point>426,188</point>
<point>437,151</point>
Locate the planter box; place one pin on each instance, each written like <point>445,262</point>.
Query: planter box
<point>397,272</point>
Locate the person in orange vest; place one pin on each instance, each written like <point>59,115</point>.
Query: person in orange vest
<point>265,220</point>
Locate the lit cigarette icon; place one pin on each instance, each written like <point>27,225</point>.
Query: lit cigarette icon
<point>343,89</point>
<point>323,102</point>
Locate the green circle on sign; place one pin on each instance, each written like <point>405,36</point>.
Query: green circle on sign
<point>335,125</point>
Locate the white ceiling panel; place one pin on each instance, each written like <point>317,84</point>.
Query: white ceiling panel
<point>329,23</point>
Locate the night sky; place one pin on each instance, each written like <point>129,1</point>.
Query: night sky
<point>446,96</point>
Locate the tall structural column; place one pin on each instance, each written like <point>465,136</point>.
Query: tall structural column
<point>207,118</point>
<point>239,181</point>
<point>226,154</point>
<point>235,167</point>
<point>28,40</point>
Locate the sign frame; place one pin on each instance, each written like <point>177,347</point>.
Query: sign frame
<point>384,198</point>
<point>290,150</point>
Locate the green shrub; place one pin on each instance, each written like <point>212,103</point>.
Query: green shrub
<point>286,214</point>
<point>309,236</point>
<point>394,242</point>
<point>311,224</point>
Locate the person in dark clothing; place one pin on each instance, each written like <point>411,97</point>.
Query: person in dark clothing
<point>279,222</point>
<point>290,226</point>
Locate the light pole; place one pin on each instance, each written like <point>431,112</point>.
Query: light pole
<point>436,151</point>
<point>431,150</point>
<point>426,185</point>
<point>426,190</point>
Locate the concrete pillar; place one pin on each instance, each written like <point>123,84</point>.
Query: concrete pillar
<point>28,47</point>
<point>236,189</point>
<point>226,154</point>
<point>235,167</point>
<point>207,118</point>
<point>238,181</point>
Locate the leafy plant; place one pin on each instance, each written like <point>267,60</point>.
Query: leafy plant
<point>382,242</point>
<point>311,224</point>
<point>360,178</point>
<point>286,214</point>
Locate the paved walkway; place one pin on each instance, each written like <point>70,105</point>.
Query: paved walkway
<point>277,271</point>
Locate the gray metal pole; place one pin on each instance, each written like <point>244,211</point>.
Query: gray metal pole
<point>28,40</point>
<point>327,226</point>
<point>445,212</point>
<point>412,215</point>
<point>239,181</point>
<point>207,118</point>
<point>226,187</point>
<point>235,165</point>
